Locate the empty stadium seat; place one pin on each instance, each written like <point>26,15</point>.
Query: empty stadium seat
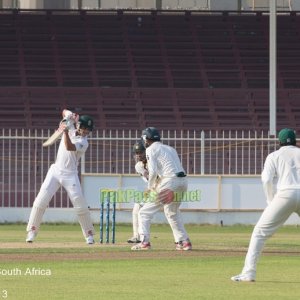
<point>182,70</point>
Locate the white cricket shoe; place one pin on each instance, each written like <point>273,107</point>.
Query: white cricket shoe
<point>184,245</point>
<point>90,240</point>
<point>31,236</point>
<point>243,277</point>
<point>141,246</point>
<point>133,240</point>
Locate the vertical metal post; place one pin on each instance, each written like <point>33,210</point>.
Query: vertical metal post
<point>202,170</point>
<point>113,222</point>
<point>272,66</point>
<point>15,4</point>
<point>107,216</point>
<point>158,4</point>
<point>101,217</point>
<point>239,5</point>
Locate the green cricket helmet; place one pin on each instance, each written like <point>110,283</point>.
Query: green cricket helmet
<point>139,147</point>
<point>151,133</point>
<point>287,136</point>
<point>139,151</point>
<point>86,121</point>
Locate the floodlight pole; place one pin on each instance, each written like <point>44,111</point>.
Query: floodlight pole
<point>272,66</point>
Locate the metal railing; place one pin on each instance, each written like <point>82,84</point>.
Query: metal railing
<point>204,153</point>
<point>24,162</point>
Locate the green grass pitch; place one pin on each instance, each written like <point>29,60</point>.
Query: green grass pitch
<point>59,265</point>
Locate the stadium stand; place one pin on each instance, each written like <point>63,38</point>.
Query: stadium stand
<point>131,69</point>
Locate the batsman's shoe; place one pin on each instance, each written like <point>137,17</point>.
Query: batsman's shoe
<point>243,277</point>
<point>133,240</point>
<point>31,236</point>
<point>184,245</point>
<point>141,246</point>
<point>90,240</point>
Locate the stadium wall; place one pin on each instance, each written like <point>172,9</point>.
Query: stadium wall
<point>216,200</point>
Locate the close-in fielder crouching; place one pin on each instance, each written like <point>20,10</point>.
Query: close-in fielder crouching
<point>139,152</point>
<point>64,173</point>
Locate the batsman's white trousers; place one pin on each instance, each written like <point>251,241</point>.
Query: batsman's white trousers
<point>275,214</point>
<point>171,211</point>
<point>70,181</point>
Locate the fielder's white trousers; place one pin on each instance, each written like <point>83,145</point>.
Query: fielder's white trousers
<point>135,220</point>
<point>172,212</point>
<point>276,213</point>
<point>70,181</point>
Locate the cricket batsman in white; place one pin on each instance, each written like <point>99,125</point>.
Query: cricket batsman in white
<point>64,172</point>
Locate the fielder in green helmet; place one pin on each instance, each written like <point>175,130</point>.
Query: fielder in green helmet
<point>282,166</point>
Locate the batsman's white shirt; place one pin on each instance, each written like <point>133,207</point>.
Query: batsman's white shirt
<point>286,162</point>
<point>162,161</point>
<point>67,161</point>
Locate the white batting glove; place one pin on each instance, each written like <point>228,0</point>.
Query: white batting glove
<point>70,116</point>
<point>66,113</point>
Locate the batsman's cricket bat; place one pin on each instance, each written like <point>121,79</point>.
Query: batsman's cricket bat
<point>54,137</point>
<point>69,118</point>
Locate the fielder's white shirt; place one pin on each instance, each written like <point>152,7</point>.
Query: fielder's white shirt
<point>283,165</point>
<point>68,160</point>
<point>162,161</point>
<point>140,169</point>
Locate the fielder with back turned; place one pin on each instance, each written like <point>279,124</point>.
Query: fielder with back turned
<point>163,162</point>
<point>64,173</point>
<point>283,166</point>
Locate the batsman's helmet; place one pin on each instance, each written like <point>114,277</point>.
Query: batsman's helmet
<point>150,133</point>
<point>287,136</point>
<point>86,122</point>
